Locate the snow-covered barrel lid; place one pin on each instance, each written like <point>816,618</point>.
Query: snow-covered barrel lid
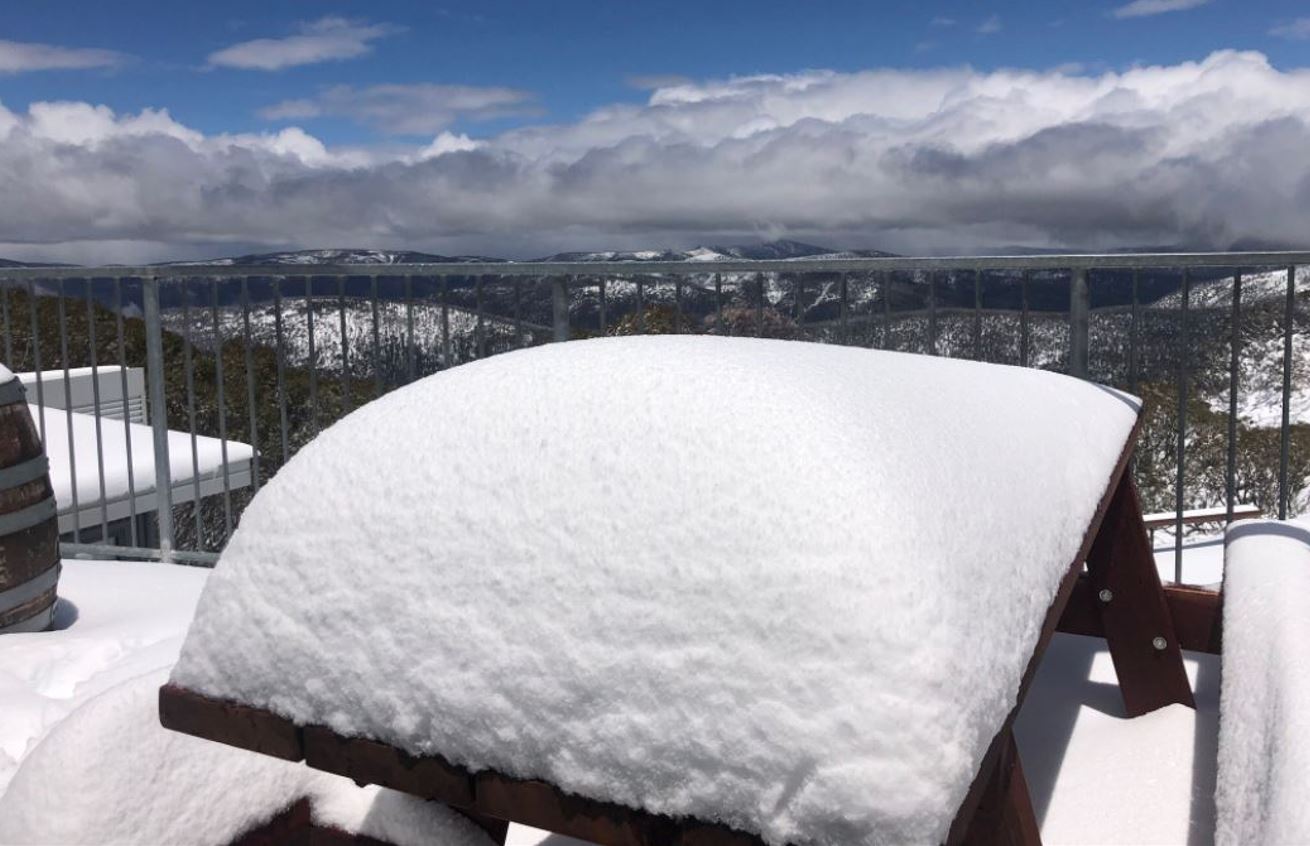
<point>790,587</point>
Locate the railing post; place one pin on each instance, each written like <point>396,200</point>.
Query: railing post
<point>1285,431</point>
<point>1079,320</point>
<point>158,414</point>
<point>559,295</point>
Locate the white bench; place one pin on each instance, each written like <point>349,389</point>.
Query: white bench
<point>115,495</point>
<point>1264,723</point>
<point>81,391</point>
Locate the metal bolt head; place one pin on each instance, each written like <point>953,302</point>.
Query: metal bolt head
<point>1159,643</point>
<point>1106,595</point>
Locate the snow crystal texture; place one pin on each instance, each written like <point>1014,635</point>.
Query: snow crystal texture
<point>1264,723</point>
<point>790,587</point>
<point>110,773</point>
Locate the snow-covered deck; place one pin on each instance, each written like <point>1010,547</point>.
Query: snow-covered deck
<point>1152,777</point>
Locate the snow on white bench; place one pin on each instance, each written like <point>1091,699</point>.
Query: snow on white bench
<point>1264,725</point>
<point>789,587</point>
<point>61,392</point>
<point>80,389</point>
<point>118,500</point>
<point>109,773</point>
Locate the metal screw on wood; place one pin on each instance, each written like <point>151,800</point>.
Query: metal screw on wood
<point>1159,643</point>
<point>1105,595</point>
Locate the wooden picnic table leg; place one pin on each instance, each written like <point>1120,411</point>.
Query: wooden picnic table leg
<point>1004,816</point>
<point>1131,603</point>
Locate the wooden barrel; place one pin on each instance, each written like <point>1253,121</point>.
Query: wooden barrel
<point>29,526</point>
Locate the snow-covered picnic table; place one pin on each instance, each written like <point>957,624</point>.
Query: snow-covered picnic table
<point>792,589</point>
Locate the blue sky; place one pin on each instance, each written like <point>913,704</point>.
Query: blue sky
<point>570,57</point>
<point>135,131</point>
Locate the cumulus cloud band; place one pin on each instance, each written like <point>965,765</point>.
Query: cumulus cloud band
<point>1199,154</point>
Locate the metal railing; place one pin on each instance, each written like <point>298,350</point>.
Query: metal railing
<point>295,347</point>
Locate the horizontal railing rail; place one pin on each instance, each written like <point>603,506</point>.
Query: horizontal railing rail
<point>271,353</point>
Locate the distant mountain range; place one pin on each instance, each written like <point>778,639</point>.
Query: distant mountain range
<point>778,249</point>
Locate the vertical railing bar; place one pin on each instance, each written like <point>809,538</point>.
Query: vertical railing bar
<point>347,402</point>
<point>559,300</point>
<point>843,288</point>
<point>1234,350</point>
<point>977,315</point>
<point>188,368</point>
<point>36,360</point>
<point>884,281</point>
<point>1079,324</point>
<point>1025,336</point>
<point>158,414</point>
<point>313,354</point>
<point>518,313</point>
<point>127,418</point>
<point>222,410</point>
<point>249,355</point>
<point>932,313</point>
<point>1285,437</point>
<point>759,305</point>
<point>718,303</point>
<point>9,334</point>
<point>479,329</point>
<point>677,306</point>
<point>641,306</point>
<point>279,346</point>
<point>95,405</point>
<point>409,328</point>
<point>377,339</point>
<point>447,354</point>
<point>1134,331</point>
<point>68,411</point>
<point>1184,347</point>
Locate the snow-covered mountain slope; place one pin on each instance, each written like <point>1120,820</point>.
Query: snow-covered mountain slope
<point>778,249</point>
<point>1256,288</point>
<point>337,256</point>
<point>435,333</point>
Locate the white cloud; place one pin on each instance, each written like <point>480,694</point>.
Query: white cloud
<point>991,26</point>
<point>1143,8</point>
<point>21,57</point>
<point>1297,30</point>
<point>405,109</point>
<point>324,40</point>
<point>448,142</point>
<point>1200,154</point>
<point>942,21</point>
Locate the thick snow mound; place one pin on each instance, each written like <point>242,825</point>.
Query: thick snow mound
<point>1264,724</point>
<point>109,773</point>
<point>115,620</point>
<point>787,586</point>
